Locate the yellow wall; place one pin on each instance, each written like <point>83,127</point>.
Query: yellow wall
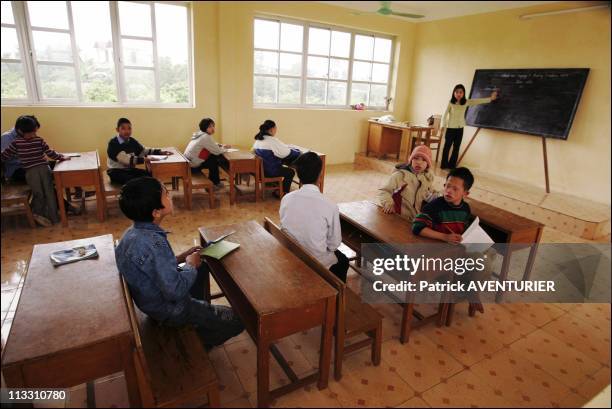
<point>447,52</point>
<point>223,59</point>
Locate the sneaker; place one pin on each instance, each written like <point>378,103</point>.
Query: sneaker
<point>42,221</point>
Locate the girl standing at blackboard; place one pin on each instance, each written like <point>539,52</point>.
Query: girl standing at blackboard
<point>454,121</point>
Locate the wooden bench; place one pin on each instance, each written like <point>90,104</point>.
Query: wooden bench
<point>201,181</point>
<point>172,366</point>
<point>353,317</point>
<point>16,200</point>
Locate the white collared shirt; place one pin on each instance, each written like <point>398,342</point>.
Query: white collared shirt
<point>314,221</point>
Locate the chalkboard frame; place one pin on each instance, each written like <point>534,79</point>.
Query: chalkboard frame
<point>566,132</point>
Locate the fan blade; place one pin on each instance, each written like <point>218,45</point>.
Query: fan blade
<point>407,15</point>
<point>362,13</point>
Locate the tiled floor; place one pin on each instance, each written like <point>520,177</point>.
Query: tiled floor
<point>528,355</point>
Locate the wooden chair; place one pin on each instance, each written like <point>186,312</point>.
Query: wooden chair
<point>201,181</point>
<point>110,189</point>
<point>353,317</point>
<point>276,182</point>
<point>172,366</point>
<point>16,200</point>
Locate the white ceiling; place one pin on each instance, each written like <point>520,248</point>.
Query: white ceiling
<point>437,10</point>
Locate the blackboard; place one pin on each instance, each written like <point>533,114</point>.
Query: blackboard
<point>533,101</point>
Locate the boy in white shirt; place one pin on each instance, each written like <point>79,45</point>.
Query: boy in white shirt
<point>312,219</point>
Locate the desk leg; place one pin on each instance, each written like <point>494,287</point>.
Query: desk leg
<point>532,255</point>
<point>407,313</point>
<point>59,190</point>
<point>327,333</point>
<point>503,274</point>
<point>100,208</point>
<point>187,188</point>
<point>232,183</point>
<point>129,370</point>
<point>263,371</point>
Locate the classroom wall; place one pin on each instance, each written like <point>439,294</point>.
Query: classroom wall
<point>448,51</point>
<point>223,59</point>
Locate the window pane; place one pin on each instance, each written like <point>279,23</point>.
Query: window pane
<point>139,85</point>
<point>10,45</point>
<point>315,92</point>
<point>13,81</point>
<point>338,69</point>
<point>290,64</point>
<point>135,19</point>
<point>340,44</point>
<point>317,67</point>
<point>7,15</point>
<point>266,34</point>
<point>364,47</point>
<point>362,71</point>
<point>380,73</point>
<point>49,14</point>
<point>172,52</point>
<point>291,37</point>
<point>336,93</point>
<point>377,95</point>
<point>138,53</point>
<point>52,46</point>
<point>264,90</point>
<point>360,93</point>
<point>289,90</point>
<point>93,36</point>
<point>266,62</point>
<point>57,81</point>
<point>318,41</point>
<point>382,50</point>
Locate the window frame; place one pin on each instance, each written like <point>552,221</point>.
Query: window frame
<point>305,54</point>
<point>30,62</point>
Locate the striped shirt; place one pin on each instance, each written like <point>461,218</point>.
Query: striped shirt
<point>31,152</point>
<point>443,217</point>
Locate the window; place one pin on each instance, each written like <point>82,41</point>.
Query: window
<point>307,65</point>
<point>96,52</point>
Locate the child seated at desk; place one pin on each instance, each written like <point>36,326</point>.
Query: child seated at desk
<point>409,186</point>
<point>275,154</point>
<point>169,294</point>
<point>312,219</point>
<point>203,152</point>
<point>447,217</point>
<point>125,152</point>
<point>31,150</point>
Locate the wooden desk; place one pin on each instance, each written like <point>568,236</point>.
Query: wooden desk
<point>506,227</point>
<point>321,182</point>
<point>275,294</point>
<point>71,325</point>
<point>176,165</point>
<point>78,172</point>
<point>364,222</point>
<point>241,162</point>
<point>386,138</point>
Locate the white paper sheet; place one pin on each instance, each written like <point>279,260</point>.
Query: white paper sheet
<point>475,239</point>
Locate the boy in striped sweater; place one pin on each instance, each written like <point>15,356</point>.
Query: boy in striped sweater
<point>31,151</point>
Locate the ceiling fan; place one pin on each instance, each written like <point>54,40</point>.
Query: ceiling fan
<point>385,10</point>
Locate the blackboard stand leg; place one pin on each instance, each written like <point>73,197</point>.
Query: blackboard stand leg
<point>545,164</point>
<point>468,146</point>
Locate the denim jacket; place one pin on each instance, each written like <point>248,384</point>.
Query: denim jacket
<point>145,259</point>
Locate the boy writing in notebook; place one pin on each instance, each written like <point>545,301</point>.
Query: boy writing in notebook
<point>167,293</point>
<point>447,217</point>
<point>312,219</point>
<point>125,152</point>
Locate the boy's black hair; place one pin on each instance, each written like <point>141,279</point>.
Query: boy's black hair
<point>26,124</point>
<point>35,120</point>
<point>308,167</point>
<point>139,197</point>
<point>122,121</point>
<point>453,99</point>
<point>463,174</point>
<point>205,123</point>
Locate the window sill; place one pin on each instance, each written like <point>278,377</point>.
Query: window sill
<point>97,106</point>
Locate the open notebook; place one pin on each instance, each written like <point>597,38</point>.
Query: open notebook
<point>475,239</point>
<point>220,249</point>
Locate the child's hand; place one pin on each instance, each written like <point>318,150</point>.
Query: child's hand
<point>149,159</point>
<point>494,95</point>
<point>169,153</point>
<point>388,209</point>
<point>194,259</point>
<point>227,146</point>
<point>63,158</point>
<point>453,238</point>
